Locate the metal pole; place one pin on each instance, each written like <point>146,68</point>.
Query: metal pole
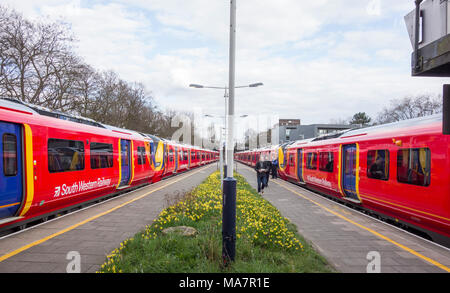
<point>229,184</point>
<point>230,134</point>
<point>226,131</point>
<point>229,221</point>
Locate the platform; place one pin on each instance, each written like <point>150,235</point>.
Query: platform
<point>345,237</point>
<point>95,231</point>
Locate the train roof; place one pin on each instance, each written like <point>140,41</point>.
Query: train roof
<point>153,137</point>
<point>51,118</point>
<point>301,142</point>
<point>194,147</point>
<point>410,126</point>
<point>422,121</point>
<point>12,104</point>
<point>414,126</point>
<point>39,110</point>
<point>125,131</point>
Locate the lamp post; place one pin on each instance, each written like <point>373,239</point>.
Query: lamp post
<point>229,184</point>
<point>226,122</point>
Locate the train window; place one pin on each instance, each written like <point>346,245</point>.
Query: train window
<point>378,164</point>
<point>171,156</point>
<point>192,156</point>
<point>185,157</point>
<point>291,160</point>
<point>101,155</point>
<point>9,154</point>
<point>141,155</point>
<point>326,162</point>
<point>65,155</point>
<point>312,161</point>
<point>414,166</point>
<point>125,158</point>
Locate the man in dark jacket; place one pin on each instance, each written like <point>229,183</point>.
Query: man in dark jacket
<point>261,170</point>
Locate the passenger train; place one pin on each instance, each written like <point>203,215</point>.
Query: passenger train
<point>51,162</point>
<point>399,171</point>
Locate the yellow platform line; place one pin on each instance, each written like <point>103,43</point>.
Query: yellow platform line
<point>37,242</point>
<point>421,256</point>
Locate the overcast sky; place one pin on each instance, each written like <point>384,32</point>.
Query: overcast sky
<point>319,60</point>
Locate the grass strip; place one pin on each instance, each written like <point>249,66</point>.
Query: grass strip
<point>266,241</point>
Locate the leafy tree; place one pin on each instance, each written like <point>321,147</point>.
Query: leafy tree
<point>360,118</point>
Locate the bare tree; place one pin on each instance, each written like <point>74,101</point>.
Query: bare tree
<point>410,107</point>
<point>86,86</point>
<point>37,64</point>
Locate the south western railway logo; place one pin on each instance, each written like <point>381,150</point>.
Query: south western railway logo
<point>81,186</point>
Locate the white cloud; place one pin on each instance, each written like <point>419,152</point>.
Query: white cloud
<point>318,60</point>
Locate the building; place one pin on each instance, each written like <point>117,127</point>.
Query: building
<point>298,132</point>
<point>290,122</point>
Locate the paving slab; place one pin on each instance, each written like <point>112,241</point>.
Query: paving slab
<point>92,232</point>
<point>346,237</point>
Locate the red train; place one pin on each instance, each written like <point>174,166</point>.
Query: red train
<point>51,162</point>
<point>398,171</point>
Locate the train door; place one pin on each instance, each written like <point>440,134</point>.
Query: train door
<point>291,165</point>
<point>125,154</point>
<point>300,165</point>
<point>349,171</point>
<point>177,157</point>
<point>165,159</point>
<point>189,158</point>
<point>11,169</point>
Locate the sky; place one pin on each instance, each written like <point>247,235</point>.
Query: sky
<point>319,60</point>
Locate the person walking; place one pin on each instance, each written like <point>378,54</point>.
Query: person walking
<point>268,167</point>
<point>274,169</point>
<point>260,169</point>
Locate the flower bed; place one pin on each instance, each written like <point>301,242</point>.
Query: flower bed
<point>266,241</point>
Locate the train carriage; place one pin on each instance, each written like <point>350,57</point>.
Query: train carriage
<point>51,162</point>
<point>398,171</point>
<point>61,163</point>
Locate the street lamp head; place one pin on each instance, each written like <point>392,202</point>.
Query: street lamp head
<point>256,84</point>
<point>197,86</point>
